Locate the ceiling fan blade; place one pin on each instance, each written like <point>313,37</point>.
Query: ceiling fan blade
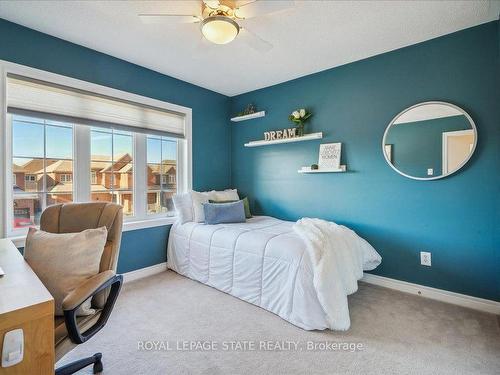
<point>212,4</point>
<point>254,41</point>
<point>166,18</point>
<point>255,8</point>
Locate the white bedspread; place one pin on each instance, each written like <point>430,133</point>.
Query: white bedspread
<point>264,262</point>
<point>338,256</point>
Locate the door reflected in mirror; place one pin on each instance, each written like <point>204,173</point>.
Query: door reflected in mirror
<point>429,140</point>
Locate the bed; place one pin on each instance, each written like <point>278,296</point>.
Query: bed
<point>262,261</point>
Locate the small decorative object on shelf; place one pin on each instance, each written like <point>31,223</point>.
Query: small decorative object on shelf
<point>299,117</point>
<point>248,110</point>
<point>314,167</point>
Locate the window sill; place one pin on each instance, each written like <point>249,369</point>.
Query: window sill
<point>148,223</point>
<point>19,241</point>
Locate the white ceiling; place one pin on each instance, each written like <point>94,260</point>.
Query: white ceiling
<point>427,112</point>
<point>309,37</point>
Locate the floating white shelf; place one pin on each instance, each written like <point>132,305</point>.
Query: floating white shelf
<point>309,170</point>
<point>249,117</point>
<point>306,137</point>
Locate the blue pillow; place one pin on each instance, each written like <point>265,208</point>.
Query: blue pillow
<point>218,213</point>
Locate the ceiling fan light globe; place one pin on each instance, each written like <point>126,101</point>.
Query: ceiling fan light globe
<point>219,29</point>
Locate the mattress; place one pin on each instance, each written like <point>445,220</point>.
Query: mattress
<point>261,261</point>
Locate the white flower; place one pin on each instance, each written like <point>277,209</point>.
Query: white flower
<point>296,114</point>
<point>302,112</point>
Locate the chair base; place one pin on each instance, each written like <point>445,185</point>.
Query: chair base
<point>73,367</point>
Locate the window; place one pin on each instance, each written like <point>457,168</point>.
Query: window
<point>62,131</point>
<point>42,150</point>
<point>167,179</point>
<point>161,174</point>
<point>66,178</point>
<point>111,162</point>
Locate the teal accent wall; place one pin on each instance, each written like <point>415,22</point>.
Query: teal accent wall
<point>417,146</point>
<point>211,138</point>
<point>455,218</point>
<point>143,248</point>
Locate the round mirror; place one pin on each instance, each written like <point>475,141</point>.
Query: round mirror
<point>429,140</point>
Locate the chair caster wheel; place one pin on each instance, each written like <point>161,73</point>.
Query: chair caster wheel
<point>97,367</point>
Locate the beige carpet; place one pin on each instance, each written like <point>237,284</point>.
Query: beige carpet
<point>399,334</point>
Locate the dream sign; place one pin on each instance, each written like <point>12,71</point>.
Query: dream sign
<point>280,134</point>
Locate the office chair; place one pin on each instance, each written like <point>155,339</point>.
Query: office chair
<point>104,287</point>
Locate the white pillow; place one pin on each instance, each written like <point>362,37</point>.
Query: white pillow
<point>226,195</point>
<point>184,207</point>
<point>198,198</point>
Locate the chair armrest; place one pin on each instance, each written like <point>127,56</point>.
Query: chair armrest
<point>88,289</point>
<point>85,290</point>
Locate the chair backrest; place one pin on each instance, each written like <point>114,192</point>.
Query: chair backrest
<point>77,217</point>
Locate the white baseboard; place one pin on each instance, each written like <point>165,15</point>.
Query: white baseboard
<point>463,300</point>
<point>144,272</point>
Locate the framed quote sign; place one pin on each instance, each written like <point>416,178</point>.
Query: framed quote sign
<point>329,156</point>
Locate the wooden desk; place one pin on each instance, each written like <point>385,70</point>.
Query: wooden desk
<point>26,303</point>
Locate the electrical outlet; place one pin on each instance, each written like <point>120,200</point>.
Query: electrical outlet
<point>425,258</point>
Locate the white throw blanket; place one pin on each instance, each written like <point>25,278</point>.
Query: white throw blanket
<point>338,256</point>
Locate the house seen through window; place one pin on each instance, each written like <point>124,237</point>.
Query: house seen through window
<point>161,174</point>
<point>42,166</point>
<point>43,162</point>
<point>112,167</point>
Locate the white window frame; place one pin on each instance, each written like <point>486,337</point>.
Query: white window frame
<point>81,151</point>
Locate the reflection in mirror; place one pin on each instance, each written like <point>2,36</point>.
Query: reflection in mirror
<point>429,140</point>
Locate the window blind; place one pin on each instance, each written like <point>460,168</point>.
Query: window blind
<point>27,97</point>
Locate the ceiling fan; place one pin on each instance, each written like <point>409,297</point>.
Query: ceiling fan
<point>220,21</point>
